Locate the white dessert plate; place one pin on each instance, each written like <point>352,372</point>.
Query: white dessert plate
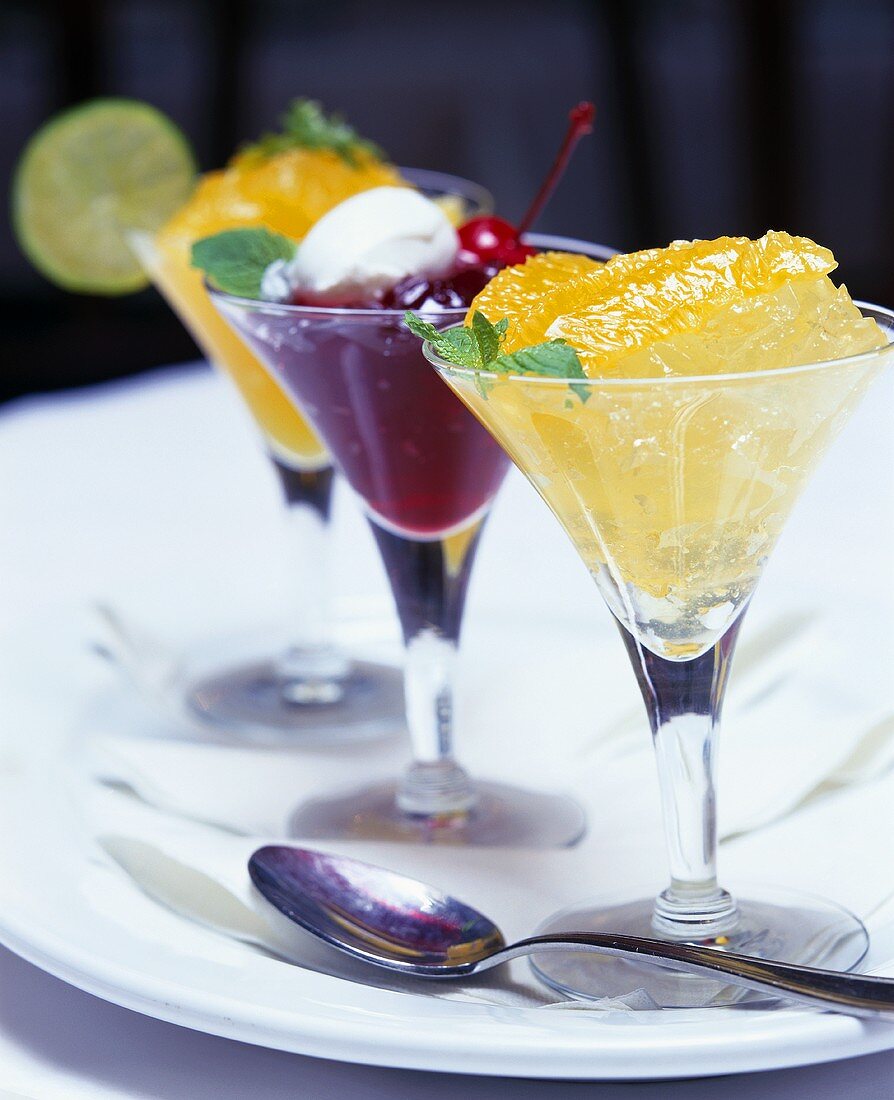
<point>67,910</point>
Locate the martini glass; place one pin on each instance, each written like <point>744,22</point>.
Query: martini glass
<point>312,690</point>
<point>674,491</point>
<point>426,473</point>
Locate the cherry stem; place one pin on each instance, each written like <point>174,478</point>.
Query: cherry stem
<point>581,122</point>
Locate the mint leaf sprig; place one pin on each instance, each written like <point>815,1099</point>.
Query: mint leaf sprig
<point>236,259</point>
<point>305,125</point>
<point>477,347</point>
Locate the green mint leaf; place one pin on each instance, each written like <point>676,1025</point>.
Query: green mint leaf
<point>482,385</point>
<point>475,347</point>
<point>305,125</point>
<point>421,328</point>
<point>488,336</point>
<point>553,359</point>
<point>236,259</point>
<point>478,348</point>
<point>458,346</point>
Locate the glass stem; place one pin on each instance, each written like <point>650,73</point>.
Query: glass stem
<point>310,668</point>
<point>429,580</point>
<point>684,700</point>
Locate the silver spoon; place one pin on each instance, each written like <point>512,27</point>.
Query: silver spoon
<point>400,924</point>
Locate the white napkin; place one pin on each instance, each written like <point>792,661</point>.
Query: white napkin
<point>807,799</point>
<point>788,707</point>
<point>200,874</point>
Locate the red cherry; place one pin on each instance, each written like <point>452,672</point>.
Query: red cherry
<point>486,238</point>
<point>491,240</point>
<point>516,254</point>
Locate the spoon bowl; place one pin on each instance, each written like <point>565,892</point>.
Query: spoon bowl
<point>374,914</point>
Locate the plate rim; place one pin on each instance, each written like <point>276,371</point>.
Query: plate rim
<point>785,1038</point>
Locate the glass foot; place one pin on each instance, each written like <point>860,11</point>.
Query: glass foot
<point>773,924</point>
<point>502,816</point>
<point>259,703</point>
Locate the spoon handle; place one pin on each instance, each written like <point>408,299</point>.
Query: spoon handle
<point>854,994</point>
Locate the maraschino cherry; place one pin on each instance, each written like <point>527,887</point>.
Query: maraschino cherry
<point>493,240</point>
<point>489,239</point>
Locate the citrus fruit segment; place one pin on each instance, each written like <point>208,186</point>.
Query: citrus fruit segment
<point>86,179</point>
<point>287,192</point>
<point>516,290</point>
<point>696,307</point>
<point>807,321</point>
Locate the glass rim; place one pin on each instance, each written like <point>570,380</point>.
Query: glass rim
<point>433,179</point>
<point>444,367</point>
<point>284,309</point>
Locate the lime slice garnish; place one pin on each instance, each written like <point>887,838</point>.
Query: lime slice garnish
<point>88,178</point>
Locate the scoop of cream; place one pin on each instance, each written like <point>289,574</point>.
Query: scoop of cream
<point>365,245</point>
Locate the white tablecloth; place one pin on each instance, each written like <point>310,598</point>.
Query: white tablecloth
<point>154,495</point>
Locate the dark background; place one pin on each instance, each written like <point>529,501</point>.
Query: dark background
<point>715,116</point>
